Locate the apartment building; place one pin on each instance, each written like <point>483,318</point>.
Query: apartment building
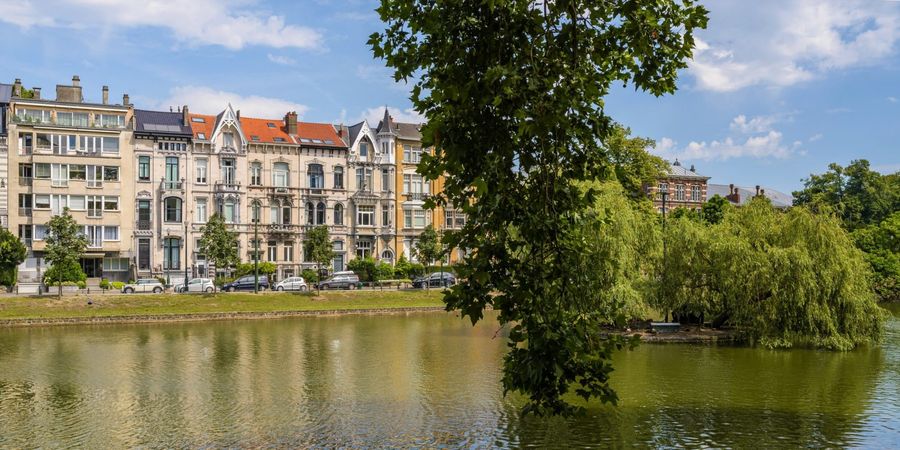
<point>68,153</point>
<point>5,97</point>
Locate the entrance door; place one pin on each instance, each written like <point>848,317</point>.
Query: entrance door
<point>92,267</point>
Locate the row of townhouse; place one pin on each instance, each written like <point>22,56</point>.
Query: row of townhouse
<point>143,183</point>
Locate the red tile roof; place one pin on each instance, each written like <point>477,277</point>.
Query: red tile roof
<point>319,134</point>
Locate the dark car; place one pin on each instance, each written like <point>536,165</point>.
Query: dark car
<point>246,283</point>
<point>437,279</point>
<point>341,280</point>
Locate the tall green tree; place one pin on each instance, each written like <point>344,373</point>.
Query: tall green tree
<point>881,244</point>
<point>218,243</point>
<point>318,247</point>
<point>12,253</point>
<point>512,91</point>
<point>858,195</point>
<point>66,243</point>
<point>631,164</point>
<point>428,248</point>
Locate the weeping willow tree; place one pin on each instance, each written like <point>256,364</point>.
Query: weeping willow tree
<point>780,278</point>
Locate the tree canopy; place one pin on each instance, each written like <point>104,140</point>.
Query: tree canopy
<point>512,91</point>
<point>428,248</point>
<point>65,244</point>
<point>218,243</point>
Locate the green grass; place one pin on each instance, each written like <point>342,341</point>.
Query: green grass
<point>149,304</point>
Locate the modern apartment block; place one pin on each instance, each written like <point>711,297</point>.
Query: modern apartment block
<point>68,153</point>
<point>143,183</point>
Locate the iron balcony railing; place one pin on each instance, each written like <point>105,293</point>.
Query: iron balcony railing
<point>143,224</point>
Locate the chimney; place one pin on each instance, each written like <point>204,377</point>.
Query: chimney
<point>37,92</point>
<point>757,190</point>
<point>70,94</point>
<point>17,88</point>
<point>290,122</point>
<point>238,114</point>
<point>126,100</point>
<point>762,192</point>
<point>105,95</point>
<point>692,169</point>
<point>185,116</point>
<point>76,81</point>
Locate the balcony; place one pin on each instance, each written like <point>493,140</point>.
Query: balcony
<point>222,186</point>
<point>279,228</point>
<point>144,225</point>
<point>171,185</point>
<point>279,190</point>
<point>416,196</point>
<point>25,181</point>
<point>24,212</point>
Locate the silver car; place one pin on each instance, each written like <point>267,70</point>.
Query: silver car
<point>292,284</point>
<point>196,285</point>
<point>144,285</point>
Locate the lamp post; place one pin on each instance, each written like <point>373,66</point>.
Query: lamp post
<point>256,214</point>
<point>185,286</point>
<point>664,195</point>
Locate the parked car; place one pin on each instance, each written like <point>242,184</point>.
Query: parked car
<point>291,284</point>
<point>144,285</point>
<point>436,279</point>
<point>341,280</point>
<point>196,285</point>
<point>246,283</point>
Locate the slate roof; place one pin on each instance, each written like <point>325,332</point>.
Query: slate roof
<point>160,122</point>
<point>259,131</point>
<point>407,131</point>
<point>5,92</point>
<point>676,170</point>
<point>354,132</point>
<point>778,199</point>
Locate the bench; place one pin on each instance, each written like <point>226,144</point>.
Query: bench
<point>665,327</point>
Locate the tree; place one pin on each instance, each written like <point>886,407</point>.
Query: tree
<point>428,248</point>
<point>12,253</point>
<point>318,247</point>
<point>632,166</point>
<point>218,243</point>
<point>713,211</point>
<point>512,92</point>
<point>780,278</point>
<point>858,195</point>
<point>65,244</point>
<point>265,268</point>
<point>881,244</point>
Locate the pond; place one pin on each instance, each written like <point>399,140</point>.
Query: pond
<point>417,380</point>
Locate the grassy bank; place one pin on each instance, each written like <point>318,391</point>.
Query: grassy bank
<point>151,305</point>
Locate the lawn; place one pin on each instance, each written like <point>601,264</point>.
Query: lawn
<point>150,304</point>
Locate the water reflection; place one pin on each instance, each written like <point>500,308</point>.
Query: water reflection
<point>418,380</point>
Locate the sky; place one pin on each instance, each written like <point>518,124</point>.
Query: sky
<point>777,89</point>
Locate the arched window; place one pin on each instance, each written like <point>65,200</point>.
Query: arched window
<point>320,213</point>
<point>387,256</point>
<point>281,174</point>
<point>286,213</point>
<point>173,209</point>
<point>338,177</point>
<point>338,214</point>
<point>316,176</point>
<point>310,213</point>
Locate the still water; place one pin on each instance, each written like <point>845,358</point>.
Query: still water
<point>419,380</point>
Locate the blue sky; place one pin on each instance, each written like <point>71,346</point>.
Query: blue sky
<point>777,89</point>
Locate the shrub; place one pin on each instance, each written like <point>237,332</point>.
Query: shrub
<point>383,271</point>
<point>265,268</point>
<point>104,283</point>
<point>81,284</point>
<point>364,267</point>
<point>219,281</point>
<point>310,276</point>
<point>415,270</point>
<point>117,285</point>
<point>8,276</point>
<point>70,272</point>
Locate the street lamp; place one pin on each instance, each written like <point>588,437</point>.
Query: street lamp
<point>185,286</point>
<point>256,215</point>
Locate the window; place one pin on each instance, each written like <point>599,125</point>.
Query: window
<point>385,215</point>
<point>228,166</point>
<point>40,232</point>
<point>415,184</point>
<point>363,179</point>
<point>254,138</point>
<point>365,215</point>
<point>278,139</point>
<point>316,176</point>
<point>679,192</point>
<point>42,171</point>
<point>77,203</point>
<point>143,168</point>
<point>174,146</point>
<point>173,209</point>
<point>663,187</point>
<point>320,213</point>
<point>338,214</point>
<point>386,180</point>
<point>110,173</point>
<point>228,211</point>
<point>255,212</point>
<point>201,136</point>
<point>414,218</point>
<point>110,233</point>
<point>228,139</point>
<point>94,234</point>
<point>201,165</point>
<point>288,251</point>
<point>281,174</point>
<point>59,175</point>
<point>171,253</point>
<point>286,213</point>
<point>77,172</point>
<point>143,207</point>
<point>201,210</point>
<point>310,214</point>
<point>364,249</point>
<point>256,174</point>
<point>110,145</point>
<point>338,177</point>
<point>109,120</point>
<point>273,251</point>
<point>412,154</point>
<point>363,149</point>
<point>33,115</point>
<point>95,205</point>
<point>26,143</point>
<point>115,264</point>
<point>95,176</point>
<point>41,201</point>
<point>143,254</point>
<point>270,125</point>
<point>171,171</point>
<point>387,256</point>
<point>110,203</point>
<point>695,192</point>
<point>198,120</point>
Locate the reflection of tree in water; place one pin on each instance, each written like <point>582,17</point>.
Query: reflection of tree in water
<point>719,396</point>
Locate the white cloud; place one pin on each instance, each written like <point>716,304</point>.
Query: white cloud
<point>205,100</point>
<point>280,59</point>
<point>233,24</point>
<point>815,137</point>
<point>799,40</point>
<point>765,142</point>
<point>374,115</point>
<point>892,99</point>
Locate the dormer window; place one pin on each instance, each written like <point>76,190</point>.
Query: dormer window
<point>270,125</point>
<point>198,120</point>
<point>201,136</point>
<point>228,139</point>
<point>254,138</point>
<point>278,139</point>
<point>363,149</point>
